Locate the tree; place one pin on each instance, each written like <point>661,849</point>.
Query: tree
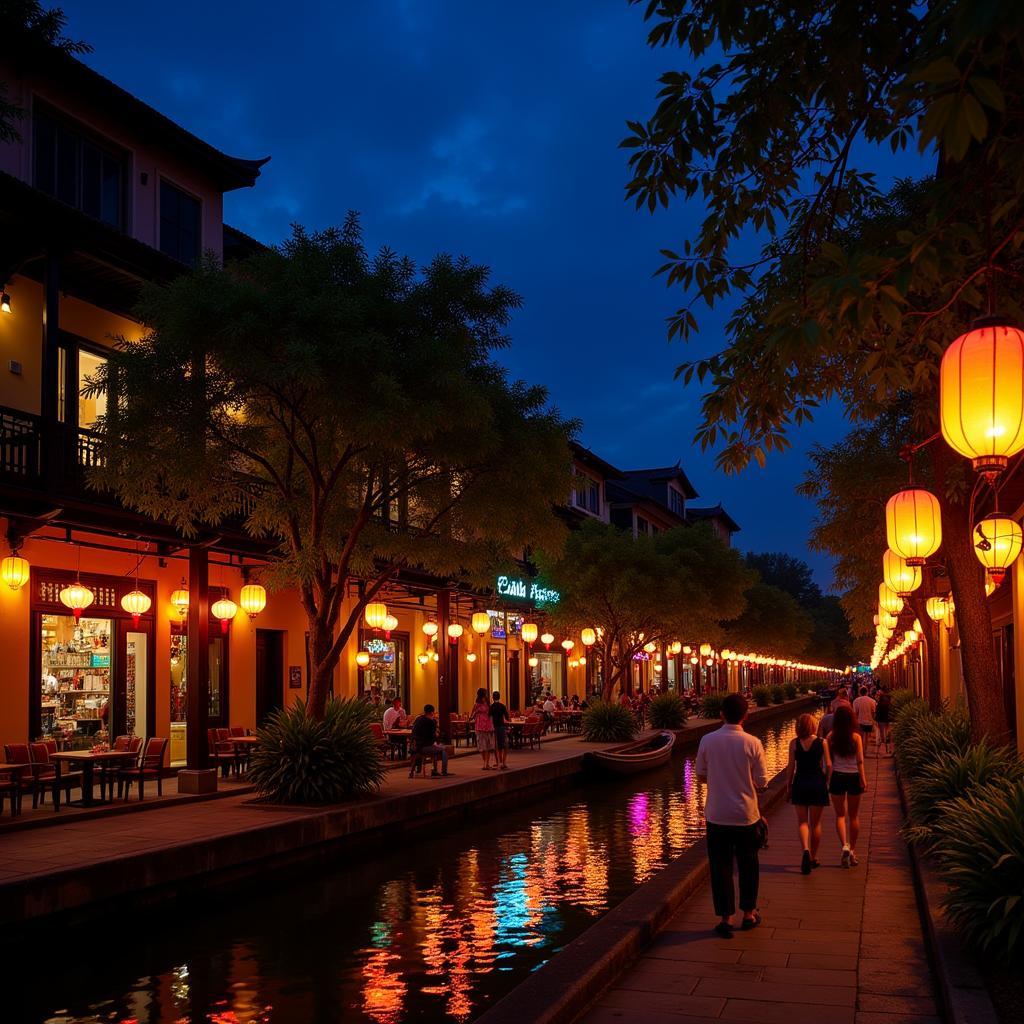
<point>853,295</point>
<point>348,409</point>
<point>778,569</point>
<point>28,21</point>
<point>772,623</point>
<point>680,582</point>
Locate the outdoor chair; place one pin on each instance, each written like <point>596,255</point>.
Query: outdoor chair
<point>106,770</point>
<point>532,733</point>
<point>9,786</point>
<point>222,753</point>
<point>238,730</point>
<point>45,774</point>
<point>460,731</point>
<point>382,741</point>
<point>150,766</point>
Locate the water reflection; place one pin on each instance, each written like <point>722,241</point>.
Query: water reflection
<point>437,929</point>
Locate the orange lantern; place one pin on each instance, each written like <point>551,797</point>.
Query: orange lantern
<point>997,544</point>
<point>913,524</point>
<point>904,579</point>
<point>481,623</point>
<point>528,632</point>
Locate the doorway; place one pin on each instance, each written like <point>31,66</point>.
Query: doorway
<point>269,673</point>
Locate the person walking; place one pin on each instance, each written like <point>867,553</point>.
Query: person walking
<point>731,763</point>
<point>847,782</point>
<point>483,729</point>
<point>864,712</point>
<point>883,716</point>
<point>806,788</point>
<point>500,718</point>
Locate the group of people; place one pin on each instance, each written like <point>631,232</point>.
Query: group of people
<point>826,765</point>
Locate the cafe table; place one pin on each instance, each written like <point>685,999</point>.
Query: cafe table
<point>516,726</point>
<point>400,738</point>
<point>87,761</point>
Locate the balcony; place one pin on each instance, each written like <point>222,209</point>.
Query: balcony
<point>31,459</point>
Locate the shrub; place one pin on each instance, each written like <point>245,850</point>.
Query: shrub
<point>711,705</point>
<point>301,760</point>
<point>762,696</point>
<point>901,698</point>
<point>922,738</point>
<point>607,722</point>
<point>979,841</point>
<point>667,711</point>
<point>789,689</point>
<point>778,694</point>
<point>956,774</point>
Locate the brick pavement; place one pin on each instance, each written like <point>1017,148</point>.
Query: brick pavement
<point>836,947</point>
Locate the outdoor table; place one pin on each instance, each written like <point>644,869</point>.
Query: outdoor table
<point>14,769</point>
<point>400,737</point>
<point>87,760</point>
<point>515,731</point>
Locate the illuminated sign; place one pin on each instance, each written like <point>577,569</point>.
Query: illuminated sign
<point>526,590</point>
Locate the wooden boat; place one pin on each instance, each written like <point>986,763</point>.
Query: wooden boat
<point>652,752</point>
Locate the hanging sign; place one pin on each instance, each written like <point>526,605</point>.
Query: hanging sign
<point>516,589</point>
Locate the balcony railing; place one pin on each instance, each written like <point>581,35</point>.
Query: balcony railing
<point>31,458</point>
<point>21,446</point>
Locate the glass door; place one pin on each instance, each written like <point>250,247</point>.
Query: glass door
<point>135,711</point>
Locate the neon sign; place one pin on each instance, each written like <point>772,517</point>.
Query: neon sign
<point>526,590</point>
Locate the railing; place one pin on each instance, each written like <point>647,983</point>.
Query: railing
<point>20,446</point>
<point>89,455</point>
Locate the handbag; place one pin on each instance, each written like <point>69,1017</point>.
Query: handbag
<point>761,834</point>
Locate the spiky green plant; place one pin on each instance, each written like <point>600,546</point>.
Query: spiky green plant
<point>778,694</point>
<point>955,774</point>
<point>300,759</point>
<point>979,843</point>
<point>711,705</point>
<point>607,722</point>
<point>901,698</point>
<point>667,711</point>
<point>789,689</point>
<point>762,696</point>
<point>921,739</point>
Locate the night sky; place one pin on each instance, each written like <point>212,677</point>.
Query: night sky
<point>483,129</point>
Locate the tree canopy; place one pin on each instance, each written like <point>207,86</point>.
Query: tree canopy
<point>347,408</point>
<point>772,623</point>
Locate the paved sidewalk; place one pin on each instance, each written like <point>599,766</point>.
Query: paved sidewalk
<point>837,947</point>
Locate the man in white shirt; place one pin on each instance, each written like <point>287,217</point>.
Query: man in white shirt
<point>394,714</point>
<point>864,712</point>
<point>731,763</point>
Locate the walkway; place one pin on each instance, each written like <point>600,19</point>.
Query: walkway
<point>839,946</point>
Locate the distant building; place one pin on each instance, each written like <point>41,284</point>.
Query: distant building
<point>720,521</point>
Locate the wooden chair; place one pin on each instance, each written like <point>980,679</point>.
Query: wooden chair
<point>222,752</point>
<point>108,769</point>
<point>532,733</point>
<point>238,730</point>
<point>44,774</point>
<point>150,766</point>
<point>382,741</point>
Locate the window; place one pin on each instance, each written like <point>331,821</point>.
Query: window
<point>642,526</point>
<point>179,224</point>
<point>77,170</point>
<point>92,408</point>
<point>675,501</point>
<point>586,493</point>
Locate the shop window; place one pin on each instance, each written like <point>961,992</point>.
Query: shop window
<point>217,706</point>
<point>387,675</point>
<point>76,670</point>
<point>179,224</point>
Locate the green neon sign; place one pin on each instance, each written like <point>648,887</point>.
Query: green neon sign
<point>516,589</point>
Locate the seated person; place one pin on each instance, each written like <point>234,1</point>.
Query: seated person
<point>424,740</point>
<point>394,714</point>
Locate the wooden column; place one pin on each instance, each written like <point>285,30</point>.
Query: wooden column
<point>198,694</point>
<point>53,446</point>
<point>513,680</point>
<point>1017,594</point>
<point>444,661</point>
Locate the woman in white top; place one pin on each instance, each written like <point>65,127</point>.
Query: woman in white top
<point>846,780</point>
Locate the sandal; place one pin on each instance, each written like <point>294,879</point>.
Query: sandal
<point>853,859</point>
<point>751,922</point>
<point>723,930</point>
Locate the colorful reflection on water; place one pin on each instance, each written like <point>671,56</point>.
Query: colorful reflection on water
<point>433,929</point>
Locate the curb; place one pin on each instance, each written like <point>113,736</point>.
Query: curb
<point>965,997</point>
<point>566,985</point>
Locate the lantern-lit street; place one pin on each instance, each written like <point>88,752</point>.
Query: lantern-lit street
<point>511,514</point>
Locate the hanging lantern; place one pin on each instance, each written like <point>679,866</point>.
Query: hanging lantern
<point>533,662</point>
<point>936,608</point>
<point>675,647</point>
<point>687,650</point>
<point>547,639</point>
<point>136,604</point>
<point>481,623</point>
<point>910,636</point>
<point>454,632</point>
<point>471,657</point>
<point>435,656</point>
<point>913,524</point>
<point>588,637</point>
<point>14,571</point>
<point>423,658</point>
<point>885,619</point>
<point>375,613</point>
<point>179,599</point>
<point>900,577</point>
<point>528,632</point>
<point>709,662</point>
<point>363,659</point>
<point>390,625</point>
<point>694,660</point>
<point>997,544</point>
<point>77,598</point>
<point>252,599</point>
<point>981,402</point>
<point>650,648</point>
<point>429,628</point>
<point>582,659</point>
<point>568,645</point>
<point>705,650</point>
<point>225,609</point>
<point>888,600</point>
<point>573,663</point>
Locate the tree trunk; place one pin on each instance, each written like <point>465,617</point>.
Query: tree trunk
<point>320,641</point>
<point>929,650</point>
<point>981,675</point>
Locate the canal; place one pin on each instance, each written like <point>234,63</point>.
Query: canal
<point>434,929</point>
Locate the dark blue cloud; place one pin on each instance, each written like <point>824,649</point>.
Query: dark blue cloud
<point>485,129</point>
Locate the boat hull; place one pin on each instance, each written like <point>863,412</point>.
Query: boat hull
<point>641,757</point>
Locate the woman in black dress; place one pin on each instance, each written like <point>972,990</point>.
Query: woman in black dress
<point>806,788</point>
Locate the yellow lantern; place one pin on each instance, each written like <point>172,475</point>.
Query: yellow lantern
<point>913,524</point>
<point>910,636</point>
<point>588,637</point>
<point>14,571</point>
<point>77,598</point>
<point>687,650</point>
<point>694,660</point>
<point>430,628</point>
<point>568,645</point>
<point>888,600</point>
<point>573,663</point>
<point>390,624</point>
<point>997,544</point>
<point>981,402</point>
<point>528,632</point>
<point>582,659</point>
<point>471,657</point>
<point>650,648</point>
<point>454,632</point>
<point>547,639</point>
<point>375,614</point>
<point>179,599</point>
<point>363,659</point>
<point>533,662</point>
<point>936,608</point>
<point>136,604</point>
<point>423,658</point>
<point>253,599</point>
<point>899,576</point>
<point>225,609</point>
<point>705,650</point>
<point>435,656</point>
<point>481,623</point>
<point>675,648</point>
